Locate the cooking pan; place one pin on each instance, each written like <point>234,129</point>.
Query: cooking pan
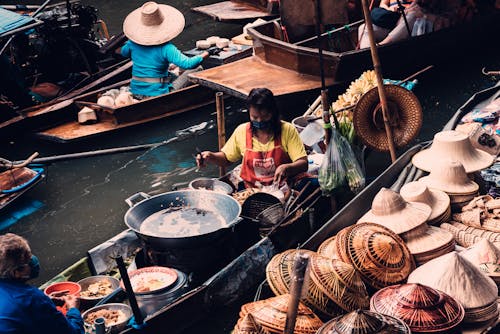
<point>142,206</point>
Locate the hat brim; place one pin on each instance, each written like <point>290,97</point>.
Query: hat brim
<point>467,188</point>
<point>440,203</point>
<point>426,160</point>
<point>432,239</point>
<point>412,216</point>
<point>172,25</point>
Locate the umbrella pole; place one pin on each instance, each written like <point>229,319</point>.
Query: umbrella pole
<point>221,127</point>
<point>380,83</point>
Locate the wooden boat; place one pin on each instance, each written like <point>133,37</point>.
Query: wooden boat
<point>288,68</point>
<point>15,182</point>
<point>239,10</point>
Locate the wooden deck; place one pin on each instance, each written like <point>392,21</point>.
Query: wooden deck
<point>233,11</point>
<point>239,77</point>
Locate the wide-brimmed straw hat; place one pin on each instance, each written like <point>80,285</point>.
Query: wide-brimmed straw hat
<point>153,24</point>
<point>405,117</point>
<point>450,177</point>
<point>438,200</point>
<point>392,211</point>
<point>428,242</point>
<point>452,145</point>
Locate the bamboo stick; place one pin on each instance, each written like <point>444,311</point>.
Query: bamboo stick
<point>221,125</point>
<point>299,271</point>
<point>380,83</point>
<point>312,108</point>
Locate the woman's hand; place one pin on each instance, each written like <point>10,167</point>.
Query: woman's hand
<point>280,174</point>
<point>203,157</point>
<point>71,301</point>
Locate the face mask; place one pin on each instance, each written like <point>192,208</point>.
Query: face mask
<point>261,125</point>
<point>34,265</point>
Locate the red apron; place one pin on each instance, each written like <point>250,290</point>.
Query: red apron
<point>260,166</point>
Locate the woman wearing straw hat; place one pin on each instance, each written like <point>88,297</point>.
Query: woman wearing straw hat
<point>150,29</point>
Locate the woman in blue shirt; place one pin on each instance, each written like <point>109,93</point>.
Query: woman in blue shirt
<point>25,309</point>
<point>149,30</point>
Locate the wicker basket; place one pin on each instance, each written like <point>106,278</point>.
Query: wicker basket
<point>248,325</point>
<point>328,249</point>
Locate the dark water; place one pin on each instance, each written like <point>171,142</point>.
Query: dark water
<point>81,202</point>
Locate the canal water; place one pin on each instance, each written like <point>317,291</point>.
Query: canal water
<point>81,202</point>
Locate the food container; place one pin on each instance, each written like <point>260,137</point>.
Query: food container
<point>72,288</point>
<point>88,301</point>
<point>204,183</point>
<point>115,328</point>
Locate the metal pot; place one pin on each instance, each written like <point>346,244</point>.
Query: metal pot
<point>142,206</point>
<point>205,183</point>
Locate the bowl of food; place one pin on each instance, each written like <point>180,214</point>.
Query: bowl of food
<point>205,183</point>
<point>95,288</point>
<point>150,280</point>
<point>116,316</point>
<point>60,289</point>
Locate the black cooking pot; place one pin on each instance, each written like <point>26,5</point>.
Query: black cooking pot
<point>142,206</point>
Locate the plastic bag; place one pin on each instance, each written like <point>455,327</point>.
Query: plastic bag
<point>353,172</point>
<point>332,174</point>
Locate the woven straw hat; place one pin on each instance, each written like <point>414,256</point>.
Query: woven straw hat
<point>392,211</point>
<point>328,249</point>
<point>405,117</point>
<point>486,257</point>
<point>428,242</point>
<point>153,24</point>
<point>248,325</point>
<point>381,256</point>
<point>460,279</point>
<point>450,177</point>
<point>423,309</point>
<point>271,315</point>
<point>278,274</point>
<point>366,322</point>
<point>438,200</point>
<point>340,282</point>
<point>452,145</point>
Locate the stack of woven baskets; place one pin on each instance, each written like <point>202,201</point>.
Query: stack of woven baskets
<point>408,219</point>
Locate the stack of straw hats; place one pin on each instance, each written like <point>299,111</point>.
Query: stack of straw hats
<point>366,322</point>
<point>248,325</point>
<point>457,277</point>
<point>450,177</point>
<point>423,309</point>
<point>455,146</point>
<point>437,200</point>
<point>378,254</point>
<point>327,249</point>
<point>408,219</point>
<point>485,256</point>
<point>271,315</point>
<point>467,236</point>
<point>482,212</point>
<point>334,287</point>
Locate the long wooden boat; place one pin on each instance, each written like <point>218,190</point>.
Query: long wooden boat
<point>239,10</point>
<point>288,68</point>
<point>15,182</point>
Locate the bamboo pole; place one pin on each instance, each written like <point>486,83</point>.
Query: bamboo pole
<point>221,125</point>
<point>299,271</point>
<point>380,84</point>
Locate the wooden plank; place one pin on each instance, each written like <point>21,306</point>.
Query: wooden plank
<point>232,11</point>
<point>239,77</point>
<point>167,105</point>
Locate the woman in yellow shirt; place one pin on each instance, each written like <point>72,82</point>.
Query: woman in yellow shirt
<point>271,149</point>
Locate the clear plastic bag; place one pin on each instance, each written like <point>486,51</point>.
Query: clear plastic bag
<point>353,171</point>
<point>331,174</point>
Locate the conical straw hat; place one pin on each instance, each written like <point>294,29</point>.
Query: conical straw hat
<point>452,145</point>
<point>423,309</point>
<point>450,177</point>
<point>486,257</point>
<point>364,322</point>
<point>278,274</point>
<point>428,242</point>
<point>271,314</point>
<point>328,249</point>
<point>438,200</point>
<point>248,325</point>
<point>459,278</point>
<point>153,24</point>
<point>381,256</point>
<point>340,282</point>
<point>392,211</point>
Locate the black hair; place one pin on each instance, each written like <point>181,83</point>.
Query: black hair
<point>262,99</point>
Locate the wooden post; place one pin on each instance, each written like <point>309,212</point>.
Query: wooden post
<point>380,83</point>
<point>299,270</point>
<point>221,125</point>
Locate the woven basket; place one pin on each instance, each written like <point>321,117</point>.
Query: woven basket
<point>248,325</point>
<point>423,309</point>
<point>405,117</point>
<point>380,255</point>
<point>328,249</point>
<point>271,314</point>
<point>340,282</point>
<point>364,322</point>
<point>341,248</point>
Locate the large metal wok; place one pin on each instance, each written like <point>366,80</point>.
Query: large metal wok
<point>142,206</point>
